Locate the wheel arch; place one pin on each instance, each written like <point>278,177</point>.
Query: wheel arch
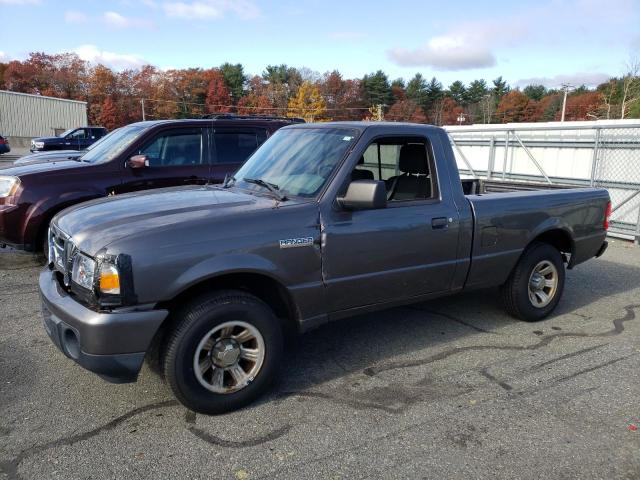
<point>263,286</point>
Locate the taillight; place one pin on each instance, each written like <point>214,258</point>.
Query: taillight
<point>2,141</point>
<point>607,216</point>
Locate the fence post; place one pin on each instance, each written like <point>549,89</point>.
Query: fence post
<point>492,157</point>
<point>594,160</point>
<point>506,156</point>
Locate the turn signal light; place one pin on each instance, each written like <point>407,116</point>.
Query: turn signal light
<point>109,280</point>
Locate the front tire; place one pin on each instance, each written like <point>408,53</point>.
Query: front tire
<point>224,352</point>
<point>535,286</point>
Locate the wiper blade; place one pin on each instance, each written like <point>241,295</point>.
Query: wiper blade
<point>229,180</point>
<point>272,187</point>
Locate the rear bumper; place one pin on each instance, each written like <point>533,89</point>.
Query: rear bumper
<point>603,248</point>
<point>112,345</point>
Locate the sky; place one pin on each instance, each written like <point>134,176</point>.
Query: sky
<point>528,41</point>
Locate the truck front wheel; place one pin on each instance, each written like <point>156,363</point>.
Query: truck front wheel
<point>223,353</point>
<point>535,286</point>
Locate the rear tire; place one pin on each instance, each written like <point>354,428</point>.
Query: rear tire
<point>224,352</point>
<point>535,285</point>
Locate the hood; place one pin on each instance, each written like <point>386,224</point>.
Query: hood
<point>98,223</point>
<point>50,156</point>
<point>46,139</point>
<point>40,166</point>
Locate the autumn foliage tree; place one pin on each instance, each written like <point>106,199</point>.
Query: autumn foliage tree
<point>218,96</point>
<point>308,103</point>
<point>282,89</point>
<point>108,115</point>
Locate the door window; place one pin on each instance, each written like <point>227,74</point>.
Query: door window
<point>175,148</point>
<point>77,135</point>
<point>404,164</point>
<point>237,146</point>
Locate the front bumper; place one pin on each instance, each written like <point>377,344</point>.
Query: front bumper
<point>111,344</point>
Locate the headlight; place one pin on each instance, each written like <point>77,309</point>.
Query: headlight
<point>83,271</point>
<point>109,279</point>
<point>8,186</point>
<point>38,144</point>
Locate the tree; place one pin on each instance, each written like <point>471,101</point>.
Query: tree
<point>500,88</point>
<point>308,103</point>
<point>476,91</point>
<point>535,92</point>
<point>377,90</point>
<point>417,91</point>
<point>584,106</point>
<point>218,96</point>
<point>458,92</point>
<point>406,111</point>
<point>398,90</point>
<point>435,95</point>
<point>512,107</point>
<point>109,115</point>
<point>254,104</point>
<point>452,112</point>
<point>630,85</point>
<point>234,79</point>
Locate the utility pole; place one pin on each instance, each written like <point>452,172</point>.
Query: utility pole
<point>142,104</point>
<point>565,87</point>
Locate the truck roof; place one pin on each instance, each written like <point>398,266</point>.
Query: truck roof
<point>363,125</point>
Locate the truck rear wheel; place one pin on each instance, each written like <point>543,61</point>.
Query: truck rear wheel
<point>535,286</point>
<point>224,352</point>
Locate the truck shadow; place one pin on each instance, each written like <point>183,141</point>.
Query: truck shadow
<point>342,362</point>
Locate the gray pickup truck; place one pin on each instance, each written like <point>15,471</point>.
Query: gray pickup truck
<point>324,221</point>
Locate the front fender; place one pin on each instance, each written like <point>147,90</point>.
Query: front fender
<point>218,266</point>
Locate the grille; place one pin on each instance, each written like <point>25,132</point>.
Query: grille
<point>61,253</point>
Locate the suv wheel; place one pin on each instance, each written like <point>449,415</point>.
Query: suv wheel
<point>224,352</point>
<point>535,286</point>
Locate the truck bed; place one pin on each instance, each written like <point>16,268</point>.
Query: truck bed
<point>508,214</point>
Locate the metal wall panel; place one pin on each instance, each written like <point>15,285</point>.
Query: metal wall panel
<point>23,115</point>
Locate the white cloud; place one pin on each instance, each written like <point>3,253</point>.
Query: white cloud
<point>3,56</point>
<point>73,16</point>
<point>469,45</point>
<point>116,20</point>
<point>211,9</point>
<point>119,61</point>
<point>20,2</point>
<point>590,79</point>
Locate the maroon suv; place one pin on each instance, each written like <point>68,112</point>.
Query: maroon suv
<point>139,156</point>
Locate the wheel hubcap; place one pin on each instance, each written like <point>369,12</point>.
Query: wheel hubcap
<point>543,284</point>
<point>229,357</point>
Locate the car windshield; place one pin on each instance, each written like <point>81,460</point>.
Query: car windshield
<point>113,144</point>
<point>67,132</point>
<point>298,161</point>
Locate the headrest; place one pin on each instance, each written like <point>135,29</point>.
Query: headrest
<point>413,159</point>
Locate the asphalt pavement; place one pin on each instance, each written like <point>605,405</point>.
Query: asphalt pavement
<point>452,388</point>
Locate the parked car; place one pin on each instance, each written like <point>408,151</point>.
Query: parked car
<point>73,139</point>
<point>139,156</point>
<point>4,145</point>
<point>57,155</point>
<point>323,222</point>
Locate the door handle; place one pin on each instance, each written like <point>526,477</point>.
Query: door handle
<point>439,223</point>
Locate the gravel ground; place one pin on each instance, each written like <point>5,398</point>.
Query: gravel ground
<point>448,389</point>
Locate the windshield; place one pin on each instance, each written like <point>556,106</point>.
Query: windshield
<point>299,161</point>
<point>113,144</point>
<point>67,132</point>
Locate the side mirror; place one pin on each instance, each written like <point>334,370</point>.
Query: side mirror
<point>364,195</point>
<point>138,161</point>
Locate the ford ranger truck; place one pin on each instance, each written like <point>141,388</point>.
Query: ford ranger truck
<point>323,222</point>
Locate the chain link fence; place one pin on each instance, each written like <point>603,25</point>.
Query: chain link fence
<point>598,154</point>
